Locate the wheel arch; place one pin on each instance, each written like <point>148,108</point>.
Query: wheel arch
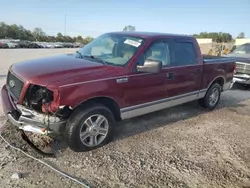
<point>108,102</point>
<point>203,101</point>
<point>220,80</point>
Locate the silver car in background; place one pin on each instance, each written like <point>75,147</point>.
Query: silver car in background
<point>242,56</point>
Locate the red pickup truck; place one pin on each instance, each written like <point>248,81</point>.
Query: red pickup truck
<point>118,75</point>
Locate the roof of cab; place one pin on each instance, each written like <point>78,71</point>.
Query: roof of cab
<point>143,34</point>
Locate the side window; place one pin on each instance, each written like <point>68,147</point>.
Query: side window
<point>185,54</point>
<point>159,51</point>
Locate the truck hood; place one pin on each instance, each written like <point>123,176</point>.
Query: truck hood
<point>245,58</point>
<point>62,69</point>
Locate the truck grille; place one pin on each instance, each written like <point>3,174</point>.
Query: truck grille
<point>243,68</point>
<point>14,85</point>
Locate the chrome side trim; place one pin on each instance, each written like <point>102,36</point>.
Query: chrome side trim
<point>127,76</point>
<point>103,79</point>
<point>202,93</point>
<point>140,74</point>
<point>149,107</point>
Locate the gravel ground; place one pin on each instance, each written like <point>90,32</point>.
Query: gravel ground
<point>184,146</point>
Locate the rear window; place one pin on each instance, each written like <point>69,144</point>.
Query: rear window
<point>184,54</point>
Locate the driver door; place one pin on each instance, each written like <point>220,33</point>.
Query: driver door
<point>144,89</point>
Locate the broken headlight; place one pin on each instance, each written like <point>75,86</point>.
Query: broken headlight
<point>36,96</point>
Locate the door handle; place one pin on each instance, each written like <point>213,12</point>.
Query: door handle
<point>198,70</point>
<point>170,75</point>
<point>121,80</point>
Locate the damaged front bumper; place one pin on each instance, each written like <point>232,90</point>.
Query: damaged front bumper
<point>242,78</point>
<point>29,120</point>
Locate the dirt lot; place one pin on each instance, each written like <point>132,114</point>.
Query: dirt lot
<point>184,146</point>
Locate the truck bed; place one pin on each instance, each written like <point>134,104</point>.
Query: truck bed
<point>218,67</point>
<point>217,59</point>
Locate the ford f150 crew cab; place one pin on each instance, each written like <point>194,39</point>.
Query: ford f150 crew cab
<point>118,75</point>
<point>241,54</point>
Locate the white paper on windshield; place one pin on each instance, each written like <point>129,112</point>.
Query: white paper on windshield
<point>132,42</point>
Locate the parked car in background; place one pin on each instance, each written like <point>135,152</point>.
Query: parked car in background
<point>12,44</point>
<point>4,45</point>
<point>28,44</point>
<point>77,45</point>
<point>58,45</point>
<point>68,45</point>
<point>117,76</point>
<point>24,44</point>
<point>241,54</point>
<point>9,43</point>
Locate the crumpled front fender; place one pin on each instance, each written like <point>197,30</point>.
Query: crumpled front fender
<point>54,105</point>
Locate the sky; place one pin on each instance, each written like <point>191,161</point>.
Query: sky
<point>95,17</point>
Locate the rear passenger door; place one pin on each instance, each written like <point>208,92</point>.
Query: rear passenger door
<point>184,75</point>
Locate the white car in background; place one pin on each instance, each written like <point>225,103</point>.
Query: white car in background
<point>12,44</point>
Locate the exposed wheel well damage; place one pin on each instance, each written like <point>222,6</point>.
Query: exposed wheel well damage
<point>111,104</point>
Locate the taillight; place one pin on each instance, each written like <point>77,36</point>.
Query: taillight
<point>234,68</point>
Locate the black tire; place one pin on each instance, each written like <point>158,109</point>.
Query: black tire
<point>205,102</point>
<point>76,123</point>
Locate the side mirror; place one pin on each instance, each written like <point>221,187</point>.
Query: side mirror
<point>151,66</point>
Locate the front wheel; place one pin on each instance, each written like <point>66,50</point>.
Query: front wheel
<point>89,128</point>
<point>212,97</point>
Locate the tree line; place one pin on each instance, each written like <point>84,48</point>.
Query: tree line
<point>19,32</point>
<point>218,36</point>
<point>215,36</point>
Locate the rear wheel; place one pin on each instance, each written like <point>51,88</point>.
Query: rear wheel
<point>89,128</point>
<point>212,97</point>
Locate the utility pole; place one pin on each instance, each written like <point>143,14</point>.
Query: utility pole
<point>65,29</point>
<point>65,25</point>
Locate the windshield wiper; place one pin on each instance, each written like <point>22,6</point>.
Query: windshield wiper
<point>96,58</point>
<point>79,53</point>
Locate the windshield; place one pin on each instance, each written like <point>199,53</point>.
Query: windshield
<point>113,49</point>
<point>242,49</point>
